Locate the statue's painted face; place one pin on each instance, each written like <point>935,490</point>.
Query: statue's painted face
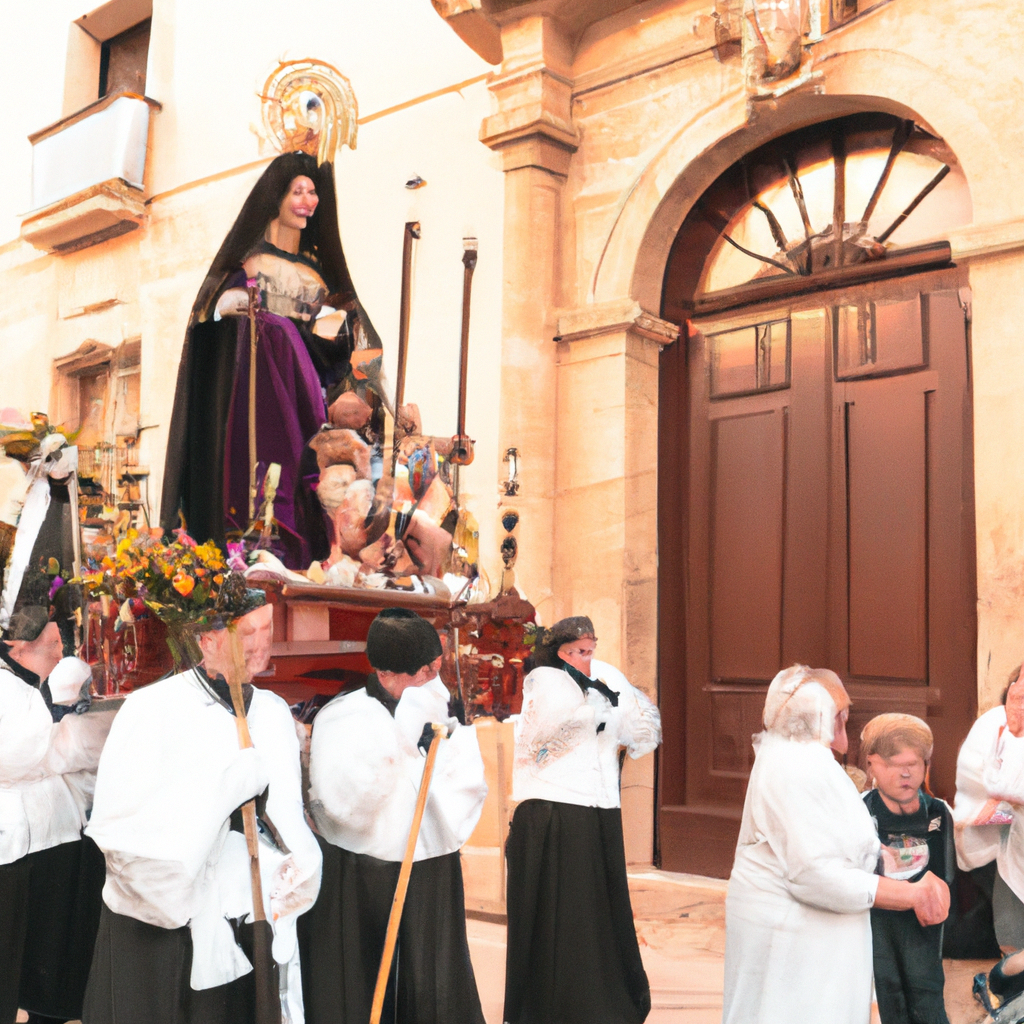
<point>299,203</point>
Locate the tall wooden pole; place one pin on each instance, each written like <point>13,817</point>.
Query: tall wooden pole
<point>398,904</point>
<point>462,448</point>
<point>268,997</point>
<point>254,294</point>
<point>412,231</point>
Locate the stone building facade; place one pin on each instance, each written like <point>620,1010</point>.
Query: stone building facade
<point>591,146</point>
<point>615,122</point>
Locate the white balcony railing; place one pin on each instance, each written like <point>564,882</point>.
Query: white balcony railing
<point>88,172</point>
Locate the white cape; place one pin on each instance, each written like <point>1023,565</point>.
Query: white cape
<point>169,778</point>
<point>365,771</point>
<point>798,931</point>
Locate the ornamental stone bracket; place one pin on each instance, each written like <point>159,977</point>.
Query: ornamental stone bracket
<point>620,316</point>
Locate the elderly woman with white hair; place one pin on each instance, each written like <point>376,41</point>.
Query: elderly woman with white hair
<point>798,932</point>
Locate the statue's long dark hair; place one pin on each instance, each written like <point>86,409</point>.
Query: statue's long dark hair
<point>320,239</point>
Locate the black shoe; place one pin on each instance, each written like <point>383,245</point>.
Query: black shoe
<point>1006,986</point>
<point>980,990</point>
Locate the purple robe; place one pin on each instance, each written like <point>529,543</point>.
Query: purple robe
<point>290,410</point>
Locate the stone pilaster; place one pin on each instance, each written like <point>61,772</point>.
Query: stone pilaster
<point>606,502</point>
<point>532,130</point>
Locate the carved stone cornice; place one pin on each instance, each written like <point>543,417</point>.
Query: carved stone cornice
<point>533,124</point>
<point>619,316</point>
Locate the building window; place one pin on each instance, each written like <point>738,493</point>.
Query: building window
<point>108,50</point>
<point>123,61</point>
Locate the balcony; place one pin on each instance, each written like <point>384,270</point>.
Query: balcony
<point>88,173</point>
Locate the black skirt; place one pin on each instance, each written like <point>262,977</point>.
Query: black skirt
<point>49,912</point>
<point>572,954</point>
<point>140,975</point>
<point>341,940</point>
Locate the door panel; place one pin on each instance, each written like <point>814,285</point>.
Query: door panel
<point>805,580</point>
<point>887,527</point>
<point>748,493</point>
<point>828,521</point>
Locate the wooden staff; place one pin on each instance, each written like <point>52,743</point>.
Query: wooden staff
<point>412,231</point>
<point>462,446</point>
<point>395,918</point>
<point>254,293</point>
<point>268,995</point>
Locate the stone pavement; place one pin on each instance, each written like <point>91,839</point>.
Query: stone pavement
<point>680,921</point>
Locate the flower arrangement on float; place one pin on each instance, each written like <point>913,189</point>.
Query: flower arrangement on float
<point>181,582</point>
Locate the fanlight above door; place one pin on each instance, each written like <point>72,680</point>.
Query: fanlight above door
<point>855,190</point>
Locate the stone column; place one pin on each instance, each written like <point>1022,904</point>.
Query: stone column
<point>606,504</point>
<point>533,133</point>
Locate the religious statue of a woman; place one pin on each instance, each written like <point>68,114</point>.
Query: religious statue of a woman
<point>280,267</point>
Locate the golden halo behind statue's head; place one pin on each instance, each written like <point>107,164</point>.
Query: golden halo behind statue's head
<point>309,106</point>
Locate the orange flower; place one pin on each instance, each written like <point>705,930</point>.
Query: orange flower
<point>183,583</point>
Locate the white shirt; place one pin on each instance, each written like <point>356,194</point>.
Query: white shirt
<point>1004,780</point>
<point>805,832</point>
<point>365,771</point>
<point>561,755</point>
<point>170,776</point>
<point>976,845</point>
<point>46,770</point>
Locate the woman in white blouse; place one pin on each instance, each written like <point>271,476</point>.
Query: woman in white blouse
<point>797,928</point>
<point>572,955</point>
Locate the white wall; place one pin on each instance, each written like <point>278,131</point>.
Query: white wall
<point>207,64</point>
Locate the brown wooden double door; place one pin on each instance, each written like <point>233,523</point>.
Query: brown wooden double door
<point>828,520</point>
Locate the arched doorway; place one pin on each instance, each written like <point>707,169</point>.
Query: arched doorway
<point>815,472</point>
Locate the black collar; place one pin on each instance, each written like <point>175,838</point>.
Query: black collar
<point>585,683</point>
<point>378,693</point>
<point>220,689</point>
<point>20,671</point>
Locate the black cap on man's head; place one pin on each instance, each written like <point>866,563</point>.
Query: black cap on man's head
<point>401,641</point>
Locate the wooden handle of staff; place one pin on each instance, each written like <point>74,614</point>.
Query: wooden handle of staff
<point>395,918</point>
<point>412,231</point>
<point>253,295</point>
<point>249,807</point>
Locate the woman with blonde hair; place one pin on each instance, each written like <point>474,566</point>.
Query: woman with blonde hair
<point>798,932</point>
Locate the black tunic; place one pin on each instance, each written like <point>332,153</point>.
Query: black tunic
<point>909,979</point>
<point>572,955</point>
<point>49,911</point>
<point>140,975</point>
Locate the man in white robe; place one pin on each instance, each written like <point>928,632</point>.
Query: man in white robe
<point>173,946</point>
<point>366,763</point>
<point>49,878</point>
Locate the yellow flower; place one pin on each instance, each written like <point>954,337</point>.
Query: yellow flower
<point>183,584</point>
